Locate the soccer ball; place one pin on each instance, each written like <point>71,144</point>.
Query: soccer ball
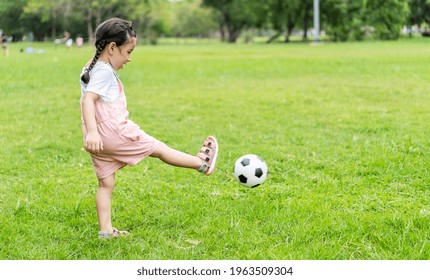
<point>250,170</point>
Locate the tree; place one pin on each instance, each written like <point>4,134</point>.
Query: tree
<point>358,19</point>
<point>93,12</point>
<point>419,12</point>
<point>339,17</point>
<point>307,8</point>
<point>283,16</point>
<point>149,17</point>
<point>386,16</point>
<point>189,18</point>
<point>54,12</point>
<point>235,15</point>
<point>10,11</point>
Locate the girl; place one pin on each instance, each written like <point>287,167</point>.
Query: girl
<point>113,140</point>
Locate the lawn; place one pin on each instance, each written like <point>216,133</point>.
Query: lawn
<point>344,129</point>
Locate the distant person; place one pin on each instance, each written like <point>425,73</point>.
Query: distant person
<point>112,140</point>
<point>69,43</point>
<point>67,39</point>
<point>66,35</point>
<point>79,41</point>
<point>5,44</point>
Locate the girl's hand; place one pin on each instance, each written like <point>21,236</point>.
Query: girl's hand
<point>93,142</point>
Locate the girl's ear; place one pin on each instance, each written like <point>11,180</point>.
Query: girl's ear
<point>111,47</point>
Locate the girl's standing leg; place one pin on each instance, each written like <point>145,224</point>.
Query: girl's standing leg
<point>103,203</point>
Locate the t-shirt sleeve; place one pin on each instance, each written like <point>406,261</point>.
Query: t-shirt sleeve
<point>100,82</point>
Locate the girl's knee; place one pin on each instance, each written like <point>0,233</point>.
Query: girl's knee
<point>108,182</point>
<point>160,151</point>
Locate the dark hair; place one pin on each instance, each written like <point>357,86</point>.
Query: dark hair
<point>112,30</point>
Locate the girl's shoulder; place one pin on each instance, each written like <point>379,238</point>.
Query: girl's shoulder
<point>100,68</point>
<point>100,65</point>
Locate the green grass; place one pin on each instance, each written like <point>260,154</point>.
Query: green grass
<point>344,129</point>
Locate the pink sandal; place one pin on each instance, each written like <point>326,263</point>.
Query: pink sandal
<point>208,154</point>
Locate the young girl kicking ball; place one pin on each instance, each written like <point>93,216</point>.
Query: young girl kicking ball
<point>112,139</point>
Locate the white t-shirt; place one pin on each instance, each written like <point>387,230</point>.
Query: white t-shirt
<point>103,81</point>
<point>69,43</point>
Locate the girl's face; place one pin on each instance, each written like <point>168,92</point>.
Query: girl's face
<point>122,55</point>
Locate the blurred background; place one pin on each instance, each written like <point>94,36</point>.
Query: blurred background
<point>225,20</point>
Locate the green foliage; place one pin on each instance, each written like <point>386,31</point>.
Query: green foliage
<point>342,20</point>
<point>236,15</point>
<point>343,128</point>
<point>387,17</point>
<point>360,19</point>
<point>283,16</point>
<point>10,11</point>
<point>190,19</point>
<point>419,12</point>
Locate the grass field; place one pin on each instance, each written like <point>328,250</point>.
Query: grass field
<point>344,129</point>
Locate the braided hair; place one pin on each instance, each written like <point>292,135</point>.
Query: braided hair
<point>112,30</point>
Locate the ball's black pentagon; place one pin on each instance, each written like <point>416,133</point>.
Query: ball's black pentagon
<point>243,179</point>
<point>245,161</point>
<point>258,172</point>
<point>255,186</point>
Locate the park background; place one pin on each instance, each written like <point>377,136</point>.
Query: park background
<point>229,20</point>
<point>343,125</point>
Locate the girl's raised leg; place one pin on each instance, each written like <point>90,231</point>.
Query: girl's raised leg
<point>176,158</point>
<point>204,161</point>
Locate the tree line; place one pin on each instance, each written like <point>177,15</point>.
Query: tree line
<point>341,20</point>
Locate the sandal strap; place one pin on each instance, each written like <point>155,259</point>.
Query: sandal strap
<point>207,143</point>
<point>205,157</point>
<point>105,235</point>
<point>204,167</point>
<point>208,151</point>
<point>117,232</point>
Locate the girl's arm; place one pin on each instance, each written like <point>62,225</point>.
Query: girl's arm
<point>93,142</point>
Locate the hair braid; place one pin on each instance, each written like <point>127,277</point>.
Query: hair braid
<point>100,45</point>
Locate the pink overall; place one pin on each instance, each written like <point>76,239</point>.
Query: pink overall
<point>124,143</point>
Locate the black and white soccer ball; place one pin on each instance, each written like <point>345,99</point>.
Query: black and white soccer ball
<point>250,170</point>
